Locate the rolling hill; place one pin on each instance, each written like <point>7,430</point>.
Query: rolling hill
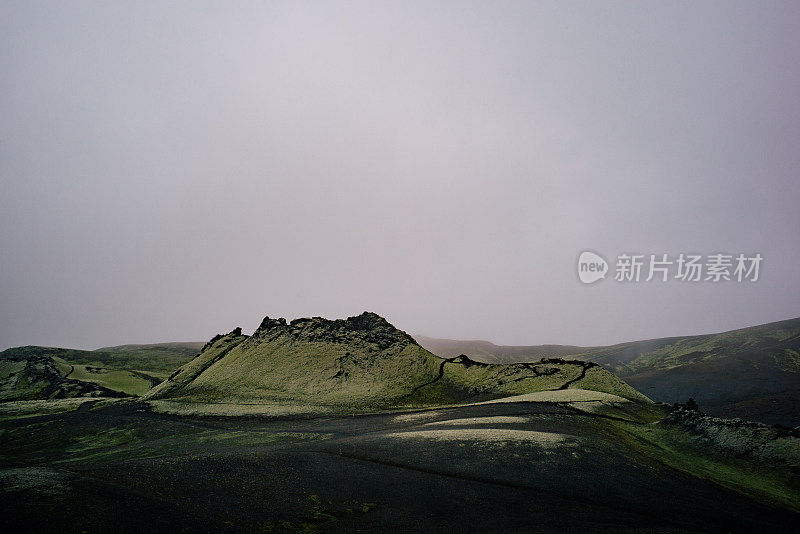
<point>43,377</point>
<point>33,372</point>
<point>488,352</point>
<point>153,357</point>
<point>753,373</point>
<point>360,363</point>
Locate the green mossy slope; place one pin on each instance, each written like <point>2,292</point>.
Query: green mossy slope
<point>360,363</point>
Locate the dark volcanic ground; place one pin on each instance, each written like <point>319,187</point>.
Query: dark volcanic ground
<point>124,469</point>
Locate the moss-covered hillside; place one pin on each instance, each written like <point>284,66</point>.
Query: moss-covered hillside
<point>361,362</point>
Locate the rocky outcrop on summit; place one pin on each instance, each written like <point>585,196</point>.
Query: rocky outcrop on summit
<point>359,363</point>
<point>367,328</point>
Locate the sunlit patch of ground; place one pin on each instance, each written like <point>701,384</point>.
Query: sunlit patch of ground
<point>487,434</point>
<point>597,407</point>
<point>494,420</point>
<point>561,395</point>
<point>415,417</point>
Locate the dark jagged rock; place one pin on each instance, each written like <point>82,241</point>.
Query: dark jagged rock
<point>268,325</point>
<point>235,332</point>
<point>369,327</point>
<point>689,405</point>
<point>210,342</point>
<point>464,360</point>
<point>767,444</point>
<point>562,361</point>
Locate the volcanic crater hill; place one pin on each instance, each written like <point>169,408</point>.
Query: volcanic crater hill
<point>361,362</point>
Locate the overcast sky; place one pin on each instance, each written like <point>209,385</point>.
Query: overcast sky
<point>173,170</point>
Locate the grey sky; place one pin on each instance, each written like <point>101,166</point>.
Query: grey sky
<point>170,171</point>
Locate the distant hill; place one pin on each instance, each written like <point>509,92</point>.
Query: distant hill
<point>753,373</point>
<point>44,377</point>
<point>33,372</point>
<point>360,363</point>
<point>487,352</point>
<point>165,357</point>
<point>155,357</point>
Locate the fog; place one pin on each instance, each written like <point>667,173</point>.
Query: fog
<point>168,172</point>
